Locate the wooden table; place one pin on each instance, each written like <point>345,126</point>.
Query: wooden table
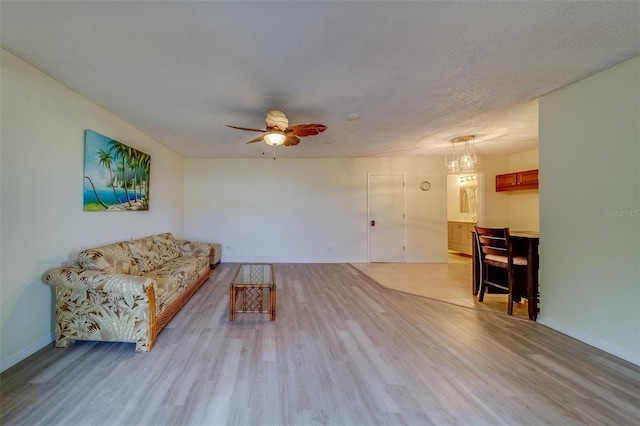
<point>250,282</point>
<point>525,243</point>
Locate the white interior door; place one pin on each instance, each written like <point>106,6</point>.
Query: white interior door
<point>386,218</point>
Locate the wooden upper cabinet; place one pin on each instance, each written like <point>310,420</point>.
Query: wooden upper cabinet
<point>505,182</point>
<point>528,179</point>
<point>517,181</point>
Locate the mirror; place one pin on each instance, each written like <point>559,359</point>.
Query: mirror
<point>468,199</point>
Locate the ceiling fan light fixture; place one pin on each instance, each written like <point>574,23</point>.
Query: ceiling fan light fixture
<point>279,132</point>
<point>274,138</point>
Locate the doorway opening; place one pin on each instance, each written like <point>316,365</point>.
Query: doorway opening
<point>464,210</point>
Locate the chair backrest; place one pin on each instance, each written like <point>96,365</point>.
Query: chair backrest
<point>494,241</point>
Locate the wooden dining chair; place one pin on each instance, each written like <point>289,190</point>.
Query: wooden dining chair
<point>496,251</point>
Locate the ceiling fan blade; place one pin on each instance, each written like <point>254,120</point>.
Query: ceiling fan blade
<point>291,140</point>
<point>307,129</point>
<point>258,139</point>
<point>247,129</point>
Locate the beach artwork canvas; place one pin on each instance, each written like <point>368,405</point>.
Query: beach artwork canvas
<point>116,176</point>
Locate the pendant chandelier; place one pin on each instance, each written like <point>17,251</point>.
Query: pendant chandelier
<point>464,163</point>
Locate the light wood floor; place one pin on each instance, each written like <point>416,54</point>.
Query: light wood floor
<point>343,351</point>
<point>448,282</point>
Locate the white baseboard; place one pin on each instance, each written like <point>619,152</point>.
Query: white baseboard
<point>631,357</point>
<point>26,352</point>
<point>254,260</point>
<point>427,260</point>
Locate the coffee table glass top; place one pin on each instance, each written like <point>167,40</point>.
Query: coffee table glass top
<point>254,274</point>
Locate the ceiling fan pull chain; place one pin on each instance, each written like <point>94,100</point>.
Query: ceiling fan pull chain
<point>274,152</point>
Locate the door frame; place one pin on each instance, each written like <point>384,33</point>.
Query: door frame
<point>404,212</point>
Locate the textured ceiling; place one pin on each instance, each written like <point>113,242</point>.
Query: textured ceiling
<point>418,73</point>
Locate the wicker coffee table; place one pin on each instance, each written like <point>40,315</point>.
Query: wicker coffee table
<point>248,288</point>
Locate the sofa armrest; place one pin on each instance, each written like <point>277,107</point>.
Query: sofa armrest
<point>194,248</point>
<point>89,279</point>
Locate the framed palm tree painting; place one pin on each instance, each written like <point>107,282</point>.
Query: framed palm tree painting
<point>116,176</point>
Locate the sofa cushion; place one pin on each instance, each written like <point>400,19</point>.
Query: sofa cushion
<point>167,287</point>
<point>145,253</point>
<point>185,270</point>
<point>113,259</point>
<point>174,276</point>
<point>167,246</point>
<point>194,248</point>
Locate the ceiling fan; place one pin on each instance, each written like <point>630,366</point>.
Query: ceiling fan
<point>278,131</point>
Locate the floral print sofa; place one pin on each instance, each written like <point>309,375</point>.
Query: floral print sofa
<point>127,291</point>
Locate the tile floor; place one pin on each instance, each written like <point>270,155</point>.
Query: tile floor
<point>448,282</point>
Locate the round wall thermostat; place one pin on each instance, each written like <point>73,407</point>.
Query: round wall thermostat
<point>425,185</point>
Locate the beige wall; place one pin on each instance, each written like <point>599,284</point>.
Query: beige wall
<point>519,210</point>
<point>590,210</point>
<point>42,222</point>
<point>308,210</point>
